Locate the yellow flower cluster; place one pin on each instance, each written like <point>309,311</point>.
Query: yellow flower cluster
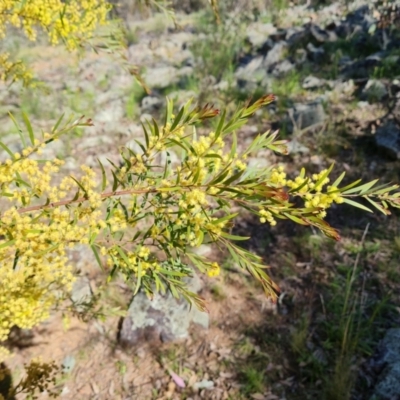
<point>214,270</point>
<point>117,221</point>
<point>70,22</point>
<point>34,264</point>
<point>312,190</point>
<point>13,70</point>
<point>30,280</point>
<point>278,177</point>
<point>267,216</point>
<point>134,261</point>
<point>38,179</point>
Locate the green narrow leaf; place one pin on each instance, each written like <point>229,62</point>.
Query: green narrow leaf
<point>169,189</point>
<point>295,219</point>
<point>173,290</point>
<point>97,256</point>
<point>21,181</point>
<point>103,176</point>
<point>29,128</point>
<point>339,180</point>
<point>49,250</point>
<point>223,174</point>
<point>7,244</point>
<point>18,129</point>
<point>377,206</point>
<point>171,273</point>
<point>199,238</point>
<point>178,144</point>
<point>226,218</point>
<point>57,123</point>
<point>220,125</point>
<point>351,185</point>
<point>231,127</point>
<point>141,146</point>
<point>233,237</point>
<point>80,185</point>
<point>115,182</point>
<point>324,176</point>
<point>362,189</point>
<point>7,150</point>
<point>155,128</point>
<point>354,204</point>
<point>139,278</point>
<point>296,189</point>
<point>177,119</point>
<point>234,145</point>
<point>146,135</point>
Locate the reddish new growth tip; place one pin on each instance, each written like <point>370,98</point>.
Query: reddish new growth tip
<point>208,111</point>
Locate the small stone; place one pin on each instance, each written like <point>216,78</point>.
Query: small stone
<point>162,318</point>
<point>386,363</point>
<point>68,364</point>
<point>257,33</point>
<point>111,111</point>
<point>316,54</point>
<point>312,82</point>
<point>294,147</point>
<point>282,68</point>
<point>306,115</point>
<point>276,54</point>
<point>319,34</point>
<point>387,137</point>
<point>81,293</point>
<point>151,103</point>
<point>374,90</point>
<point>204,384</point>
<point>161,77</point>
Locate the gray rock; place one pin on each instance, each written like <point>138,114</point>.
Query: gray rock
<point>388,387</point>
<point>253,75</point>
<point>316,54</point>
<point>387,137</point>
<point>387,360</point>
<point>204,384</point>
<point>377,57</point>
<point>257,33</point>
<point>345,61</point>
<point>68,364</point>
<point>111,112</point>
<point>312,82</point>
<point>81,294</point>
<point>298,37</point>
<point>161,77</point>
<point>279,35</point>
<point>150,104</point>
<point>276,54</point>
<point>162,318</point>
<point>282,68</point>
<point>300,56</point>
<point>295,147</point>
<point>305,115</point>
<point>374,90</point>
<point>253,69</point>
<point>320,35</point>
